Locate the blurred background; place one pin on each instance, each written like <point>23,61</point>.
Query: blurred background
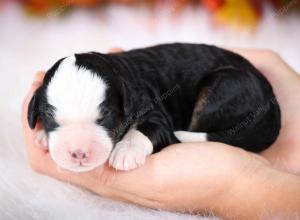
<point>36,33</point>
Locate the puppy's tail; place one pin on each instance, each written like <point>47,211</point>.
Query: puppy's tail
<point>186,136</point>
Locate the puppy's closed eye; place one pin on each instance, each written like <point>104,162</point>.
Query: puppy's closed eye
<point>99,121</point>
<point>105,111</point>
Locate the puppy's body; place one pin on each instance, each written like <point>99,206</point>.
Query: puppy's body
<point>147,94</point>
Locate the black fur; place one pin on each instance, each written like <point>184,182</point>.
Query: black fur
<point>159,89</point>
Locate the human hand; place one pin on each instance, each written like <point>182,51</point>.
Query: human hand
<point>168,179</point>
<point>285,152</point>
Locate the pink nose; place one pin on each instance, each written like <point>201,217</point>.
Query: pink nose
<point>79,155</point>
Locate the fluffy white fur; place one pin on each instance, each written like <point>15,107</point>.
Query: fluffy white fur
<point>28,45</point>
<point>76,93</point>
<point>131,151</point>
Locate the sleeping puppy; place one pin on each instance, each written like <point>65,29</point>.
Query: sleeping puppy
<point>122,107</point>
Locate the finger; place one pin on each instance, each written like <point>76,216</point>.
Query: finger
<point>39,76</point>
<point>34,152</point>
<point>267,61</point>
<point>36,83</point>
<point>115,50</point>
<point>284,80</point>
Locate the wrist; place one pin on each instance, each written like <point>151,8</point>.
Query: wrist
<point>262,193</point>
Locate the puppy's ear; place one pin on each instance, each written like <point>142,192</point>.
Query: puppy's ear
<point>33,109</point>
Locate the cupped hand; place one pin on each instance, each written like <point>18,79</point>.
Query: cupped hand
<point>196,177</point>
<point>285,152</point>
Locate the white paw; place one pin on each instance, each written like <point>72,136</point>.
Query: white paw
<point>41,139</point>
<point>131,151</point>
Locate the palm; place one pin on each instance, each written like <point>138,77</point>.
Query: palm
<point>285,152</point>
<point>171,175</point>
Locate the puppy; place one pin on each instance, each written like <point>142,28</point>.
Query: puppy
<point>122,107</point>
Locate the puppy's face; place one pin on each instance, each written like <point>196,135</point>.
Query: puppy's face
<point>73,107</point>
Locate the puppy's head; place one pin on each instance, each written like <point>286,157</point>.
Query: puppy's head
<point>76,113</point>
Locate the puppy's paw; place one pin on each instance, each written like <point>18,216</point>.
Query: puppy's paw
<point>41,139</point>
<point>131,151</point>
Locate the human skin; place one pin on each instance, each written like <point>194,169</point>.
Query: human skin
<point>204,177</point>
<point>285,152</point>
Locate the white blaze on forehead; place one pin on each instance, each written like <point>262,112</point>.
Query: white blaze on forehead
<point>75,93</point>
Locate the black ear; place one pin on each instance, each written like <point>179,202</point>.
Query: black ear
<point>33,110</point>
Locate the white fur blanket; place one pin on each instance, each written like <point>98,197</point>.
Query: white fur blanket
<point>28,45</point>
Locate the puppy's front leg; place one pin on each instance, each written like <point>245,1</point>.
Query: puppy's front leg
<point>152,133</point>
<point>131,151</point>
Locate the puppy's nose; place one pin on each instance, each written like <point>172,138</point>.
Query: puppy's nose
<point>79,155</point>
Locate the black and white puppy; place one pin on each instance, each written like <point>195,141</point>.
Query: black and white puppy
<point>122,107</point>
